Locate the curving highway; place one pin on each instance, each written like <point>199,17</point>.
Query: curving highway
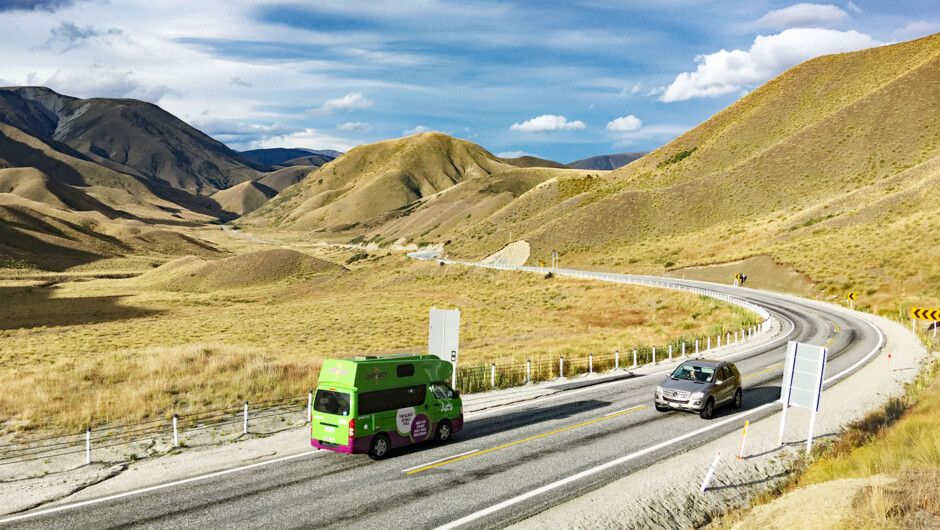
<point>506,465</point>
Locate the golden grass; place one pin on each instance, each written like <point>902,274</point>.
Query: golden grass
<point>121,350</point>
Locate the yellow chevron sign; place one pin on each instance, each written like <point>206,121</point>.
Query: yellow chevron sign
<point>737,276</point>
<point>925,314</point>
<point>851,296</point>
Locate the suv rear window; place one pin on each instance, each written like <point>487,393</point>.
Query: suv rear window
<point>332,402</point>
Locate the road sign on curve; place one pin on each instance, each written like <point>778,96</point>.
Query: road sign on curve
<point>851,296</point>
<point>921,313</point>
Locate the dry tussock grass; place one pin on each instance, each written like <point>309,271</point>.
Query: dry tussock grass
<point>110,350</point>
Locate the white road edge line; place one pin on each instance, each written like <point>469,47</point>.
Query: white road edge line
<point>557,484</point>
<point>154,488</point>
<point>440,460</point>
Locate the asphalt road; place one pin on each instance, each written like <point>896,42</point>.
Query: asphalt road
<point>500,455</point>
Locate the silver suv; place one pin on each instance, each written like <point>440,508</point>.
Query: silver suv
<point>700,386</point>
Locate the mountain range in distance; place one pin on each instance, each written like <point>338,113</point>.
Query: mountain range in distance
<point>835,157</point>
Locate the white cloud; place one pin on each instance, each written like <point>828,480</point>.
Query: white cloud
<point>354,126</point>
<point>625,124</point>
<point>417,130</point>
<point>725,72</point>
<point>547,122</point>
<point>514,154</point>
<point>853,8</point>
<point>351,101</point>
<point>916,29</point>
<point>630,91</point>
<point>307,138</point>
<point>802,16</point>
<point>661,134</point>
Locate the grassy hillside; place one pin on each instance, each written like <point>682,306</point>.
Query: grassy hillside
<point>244,197</point>
<point>374,179</point>
<point>831,168</point>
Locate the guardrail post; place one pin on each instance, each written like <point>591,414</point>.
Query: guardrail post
<point>670,351</point>
<point>246,418</point>
<point>696,346</point>
<point>683,348</point>
<point>87,445</point>
<point>708,346</point>
<point>654,354</point>
<point>719,340</point>
<point>728,338</point>
<point>561,366</point>
<point>176,437</point>
<point>616,358</point>
<point>634,357</point>
<point>493,375</point>
<point>528,370</point>
<point>590,363</point>
<point>736,336</point>
<point>310,406</point>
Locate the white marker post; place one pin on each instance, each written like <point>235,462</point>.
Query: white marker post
<point>493,375</point>
<point>590,363</point>
<point>683,348</point>
<point>616,358</point>
<point>654,354</point>
<point>670,351</point>
<point>561,366</point>
<point>87,445</point>
<point>634,357</point>
<point>528,370</point>
<point>246,418</point>
<point>711,471</point>
<point>743,437</point>
<point>176,437</point>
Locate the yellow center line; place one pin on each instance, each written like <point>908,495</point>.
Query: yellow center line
<point>833,339</point>
<point>529,439</point>
<point>763,371</point>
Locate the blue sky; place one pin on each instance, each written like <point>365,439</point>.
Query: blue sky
<point>559,80</point>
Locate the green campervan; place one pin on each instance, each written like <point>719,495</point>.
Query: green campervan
<point>371,404</point>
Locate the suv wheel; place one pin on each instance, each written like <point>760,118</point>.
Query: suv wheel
<point>709,411</point>
<point>379,447</point>
<point>443,431</point>
<point>738,398</point>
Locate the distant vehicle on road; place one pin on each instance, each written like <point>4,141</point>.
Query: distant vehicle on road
<point>371,404</point>
<point>701,386</point>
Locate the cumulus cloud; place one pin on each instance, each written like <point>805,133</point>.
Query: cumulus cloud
<point>852,7</point>
<point>354,126</point>
<point>547,122</point>
<point>802,16</point>
<point>625,124</point>
<point>514,154</point>
<point>417,130</point>
<point>725,72</point>
<point>351,101</point>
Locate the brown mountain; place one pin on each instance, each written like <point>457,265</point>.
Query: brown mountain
<point>126,133</point>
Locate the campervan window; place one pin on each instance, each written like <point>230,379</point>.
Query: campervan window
<point>332,402</point>
<point>391,399</point>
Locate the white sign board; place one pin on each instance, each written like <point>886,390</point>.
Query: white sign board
<point>444,334</point>
<point>803,374</point>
